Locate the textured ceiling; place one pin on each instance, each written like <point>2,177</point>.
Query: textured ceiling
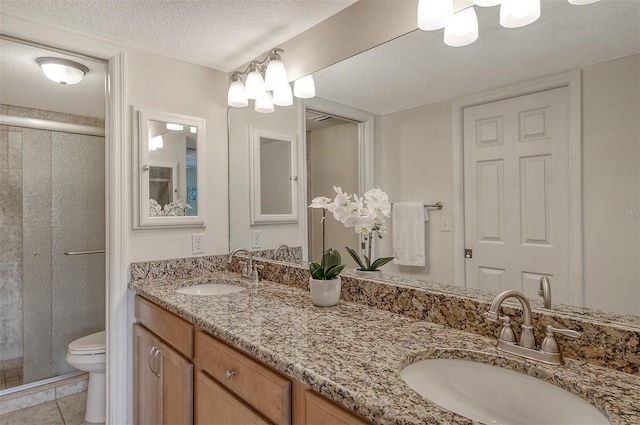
<point>419,69</point>
<point>219,34</point>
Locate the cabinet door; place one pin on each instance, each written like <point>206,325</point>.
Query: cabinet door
<point>177,387</point>
<point>146,381</point>
<point>216,406</point>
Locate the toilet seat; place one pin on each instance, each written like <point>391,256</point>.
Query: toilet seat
<point>90,344</point>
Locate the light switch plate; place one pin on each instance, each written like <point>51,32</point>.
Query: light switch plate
<point>445,225</point>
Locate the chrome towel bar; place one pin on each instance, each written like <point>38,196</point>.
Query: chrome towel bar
<point>95,251</point>
<point>437,205</point>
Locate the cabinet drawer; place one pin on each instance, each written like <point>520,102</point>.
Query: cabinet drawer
<point>267,391</point>
<point>216,406</point>
<point>171,328</point>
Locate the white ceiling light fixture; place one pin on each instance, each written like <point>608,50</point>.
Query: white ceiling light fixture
<point>62,71</point>
<point>463,28</point>
<point>176,127</point>
<point>304,87</point>
<point>274,89</point>
<point>434,14</point>
<point>518,13</point>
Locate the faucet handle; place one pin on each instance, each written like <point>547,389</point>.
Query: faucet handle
<point>506,333</point>
<point>550,345</point>
<point>245,269</point>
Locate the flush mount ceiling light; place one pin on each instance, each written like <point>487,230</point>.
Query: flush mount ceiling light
<point>266,82</point>
<point>62,71</point>
<point>176,127</point>
<point>461,28</point>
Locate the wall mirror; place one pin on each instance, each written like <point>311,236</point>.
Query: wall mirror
<point>272,165</point>
<point>413,153</point>
<point>169,170</point>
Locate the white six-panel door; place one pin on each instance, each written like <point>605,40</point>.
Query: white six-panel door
<point>516,189</point>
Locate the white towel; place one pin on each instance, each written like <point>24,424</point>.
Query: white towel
<point>408,233</point>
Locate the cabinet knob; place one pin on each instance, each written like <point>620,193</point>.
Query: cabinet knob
<point>229,373</point>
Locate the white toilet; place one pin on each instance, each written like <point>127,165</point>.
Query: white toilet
<point>88,354</point>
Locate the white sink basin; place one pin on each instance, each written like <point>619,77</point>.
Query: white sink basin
<point>210,289</point>
<point>494,395</point>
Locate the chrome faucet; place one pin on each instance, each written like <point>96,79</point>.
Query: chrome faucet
<point>279,248</point>
<point>249,270</point>
<point>545,291</point>
<point>549,351</point>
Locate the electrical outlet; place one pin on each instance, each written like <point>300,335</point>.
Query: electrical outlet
<point>197,243</point>
<point>445,226</point>
<point>256,239</point>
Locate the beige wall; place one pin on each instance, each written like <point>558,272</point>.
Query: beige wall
<point>161,83</point>
<point>282,120</point>
<point>611,184</point>
<point>413,163</point>
<point>333,153</point>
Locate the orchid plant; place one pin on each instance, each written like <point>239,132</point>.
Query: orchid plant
<point>329,267</point>
<point>367,215</point>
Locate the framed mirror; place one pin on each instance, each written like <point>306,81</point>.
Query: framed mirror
<point>272,165</point>
<point>169,170</point>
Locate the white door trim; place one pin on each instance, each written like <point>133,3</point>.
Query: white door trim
<point>572,80</point>
<point>119,396</point>
<point>366,138</point>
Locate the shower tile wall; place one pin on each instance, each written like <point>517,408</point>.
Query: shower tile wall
<point>10,242</point>
<point>41,293</point>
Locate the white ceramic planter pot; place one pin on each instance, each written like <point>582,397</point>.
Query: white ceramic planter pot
<point>325,293</point>
<point>372,274</point>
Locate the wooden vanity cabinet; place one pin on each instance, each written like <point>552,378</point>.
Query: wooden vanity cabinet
<point>163,375</point>
<point>317,410</point>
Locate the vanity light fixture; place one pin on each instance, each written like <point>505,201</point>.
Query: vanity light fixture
<point>62,71</point>
<point>272,89</point>
<point>461,28</point>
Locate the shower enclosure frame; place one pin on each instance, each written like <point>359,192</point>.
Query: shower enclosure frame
<point>119,403</point>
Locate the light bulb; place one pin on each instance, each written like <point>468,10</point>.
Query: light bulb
<point>434,14</point>
<point>487,3</point>
<point>304,87</point>
<point>255,84</point>
<point>237,96</point>
<point>463,28</point>
<point>283,96</point>
<point>276,75</point>
<point>581,2</point>
<point>518,13</point>
<point>264,104</point>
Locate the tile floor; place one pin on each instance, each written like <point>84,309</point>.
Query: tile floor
<point>10,373</point>
<point>63,411</point>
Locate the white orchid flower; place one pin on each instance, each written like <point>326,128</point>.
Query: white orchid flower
<point>322,202</point>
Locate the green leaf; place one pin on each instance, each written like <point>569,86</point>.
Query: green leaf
<point>315,270</point>
<point>355,256</point>
<point>368,262</point>
<point>380,262</point>
<point>330,258</point>
<point>333,272</point>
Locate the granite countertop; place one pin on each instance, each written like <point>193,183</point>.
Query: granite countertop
<point>352,353</point>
